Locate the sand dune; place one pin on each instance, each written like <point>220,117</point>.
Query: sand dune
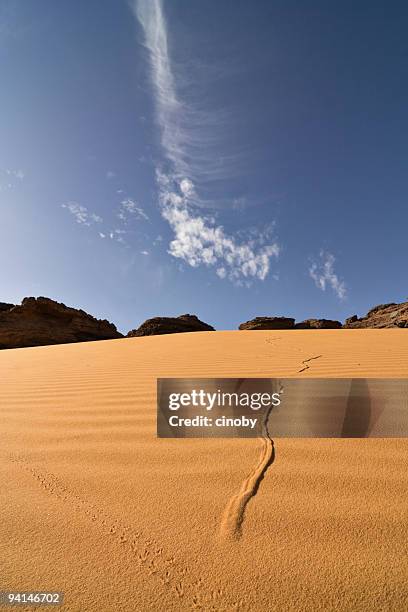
<point>93,504</point>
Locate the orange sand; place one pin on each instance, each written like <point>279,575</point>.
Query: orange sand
<point>94,505</point>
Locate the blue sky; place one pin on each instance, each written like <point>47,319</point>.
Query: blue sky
<point>223,158</point>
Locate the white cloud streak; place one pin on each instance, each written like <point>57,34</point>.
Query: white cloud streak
<point>190,134</point>
<point>323,274</point>
<point>190,143</point>
<point>82,214</point>
<point>130,207</point>
<point>19,174</point>
<point>10,177</point>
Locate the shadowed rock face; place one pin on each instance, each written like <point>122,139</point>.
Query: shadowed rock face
<point>40,321</point>
<point>170,325</point>
<point>384,315</point>
<point>268,323</point>
<point>4,306</point>
<point>318,324</point>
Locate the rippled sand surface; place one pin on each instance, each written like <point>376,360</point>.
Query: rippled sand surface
<point>93,504</point>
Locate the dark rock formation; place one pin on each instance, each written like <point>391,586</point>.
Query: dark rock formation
<point>170,325</point>
<point>318,324</point>
<point>268,323</point>
<point>384,315</point>
<point>40,321</point>
<point>4,306</point>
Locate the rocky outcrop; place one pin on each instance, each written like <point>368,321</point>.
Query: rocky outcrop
<point>381,316</point>
<point>40,321</point>
<point>4,306</point>
<point>268,323</point>
<point>170,325</point>
<point>318,324</point>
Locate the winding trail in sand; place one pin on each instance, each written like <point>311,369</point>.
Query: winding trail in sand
<point>233,516</point>
<point>95,505</point>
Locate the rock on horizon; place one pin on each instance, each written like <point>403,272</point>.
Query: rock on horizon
<point>383,315</point>
<point>319,324</point>
<point>170,325</point>
<point>42,321</point>
<point>264,323</point>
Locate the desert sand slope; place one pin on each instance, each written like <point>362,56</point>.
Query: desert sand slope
<point>94,505</point>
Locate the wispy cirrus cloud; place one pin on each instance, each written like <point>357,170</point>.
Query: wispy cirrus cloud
<point>190,139</point>
<point>18,174</point>
<point>81,214</point>
<point>111,229</point>
<point>129,207</point>
<point>323,274</point>
<point>116,234</point>
<point>191,133</point>
<point>9,177</point>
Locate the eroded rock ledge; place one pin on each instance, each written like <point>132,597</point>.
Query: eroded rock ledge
<point>40,321</point>
<point>383,315</point>
<point>268,323</point>
<point>170,325</point>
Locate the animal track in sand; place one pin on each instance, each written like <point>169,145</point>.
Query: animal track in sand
<point>149,554</point>
<point>306,362</point>
<point>231,523</point>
